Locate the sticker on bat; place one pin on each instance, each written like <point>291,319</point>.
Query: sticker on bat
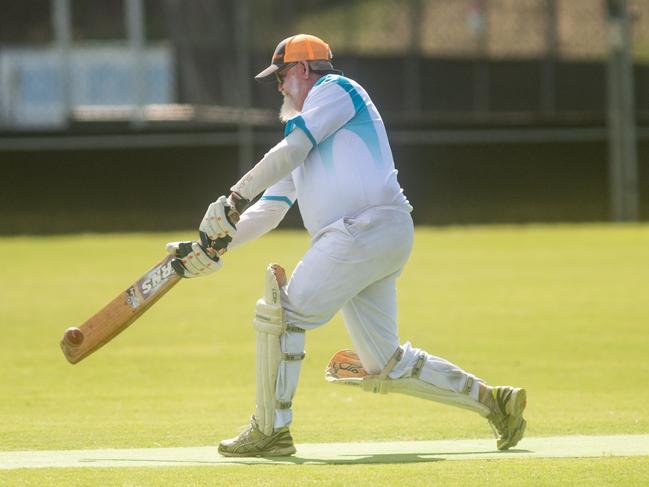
<point>152,282</point>
<point>131,298</point>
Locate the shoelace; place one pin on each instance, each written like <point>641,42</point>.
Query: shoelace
<point>244,431</point>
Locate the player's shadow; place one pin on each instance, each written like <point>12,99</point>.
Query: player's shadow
<point>357,459</point>
<point>382,458</point>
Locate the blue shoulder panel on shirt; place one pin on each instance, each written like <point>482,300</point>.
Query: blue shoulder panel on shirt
<point>327,78</point>
<point>346,85</point>
<point>361,124</point>
<point>357,99</point>
<point>278,198</point>
<point>299,123</point>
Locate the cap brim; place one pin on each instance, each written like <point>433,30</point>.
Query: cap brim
<point>267,74</point>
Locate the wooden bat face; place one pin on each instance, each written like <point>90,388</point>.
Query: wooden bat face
<point>117,315</point>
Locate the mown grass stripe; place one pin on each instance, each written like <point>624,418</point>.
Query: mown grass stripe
<point>339,453</point>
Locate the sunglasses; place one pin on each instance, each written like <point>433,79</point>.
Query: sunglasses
<point>281,72</point>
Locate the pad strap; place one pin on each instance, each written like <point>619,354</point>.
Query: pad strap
<point>391,364</point>
<point>468,385</point>
<point>419,364</point>
<point>379,383</point>
<point>293,357</point>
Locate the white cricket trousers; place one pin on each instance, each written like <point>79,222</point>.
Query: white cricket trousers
<point>352,266</point>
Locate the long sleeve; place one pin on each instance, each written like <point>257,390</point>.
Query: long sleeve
<point>266,213</point>
<point>276,164</point>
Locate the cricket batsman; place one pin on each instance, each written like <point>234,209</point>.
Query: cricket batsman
<point>336,161</point>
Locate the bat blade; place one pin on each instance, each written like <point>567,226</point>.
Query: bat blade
<point>122,311</point>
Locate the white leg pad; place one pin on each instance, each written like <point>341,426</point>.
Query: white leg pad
<point>292,346</point>
<point>418,388</point>
<point>279,349</point>
<point>346,368</point>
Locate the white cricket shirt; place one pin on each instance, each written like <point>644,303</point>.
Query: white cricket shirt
<point>350,167</point>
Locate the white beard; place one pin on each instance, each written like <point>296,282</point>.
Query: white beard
<point>288,109</point>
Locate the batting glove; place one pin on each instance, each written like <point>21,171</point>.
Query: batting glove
<point>217,229</point>
<point>192,260</point>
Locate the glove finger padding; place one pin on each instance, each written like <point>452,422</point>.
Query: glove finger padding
<point>192,260</point>
<point>218,246</point>
<point>200,263</point>
<point>216,223</point>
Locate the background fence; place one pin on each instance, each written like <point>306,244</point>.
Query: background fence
<point>497,109</point>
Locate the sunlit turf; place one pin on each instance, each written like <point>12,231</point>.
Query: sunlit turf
<point>561,310</point>
<point>598,472</point>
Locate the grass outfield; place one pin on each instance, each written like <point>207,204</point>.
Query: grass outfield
<point>562,310</point>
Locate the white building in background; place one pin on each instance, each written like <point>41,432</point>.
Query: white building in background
<point>41,89</point>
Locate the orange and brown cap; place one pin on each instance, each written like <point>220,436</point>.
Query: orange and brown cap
<point>300,47</point>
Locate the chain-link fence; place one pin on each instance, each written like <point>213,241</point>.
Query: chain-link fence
<point>426,60</point>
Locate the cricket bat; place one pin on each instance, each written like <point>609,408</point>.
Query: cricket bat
<point>116,316</point>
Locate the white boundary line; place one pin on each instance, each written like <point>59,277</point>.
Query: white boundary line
<point>338,453</point>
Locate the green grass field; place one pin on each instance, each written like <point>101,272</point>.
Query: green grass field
<point>561,310</point>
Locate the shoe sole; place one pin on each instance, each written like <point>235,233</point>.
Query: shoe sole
<point>280,452</point>
<point>516,423</point>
